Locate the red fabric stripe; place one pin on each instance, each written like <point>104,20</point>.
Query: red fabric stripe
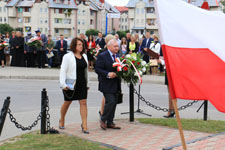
<point>196,74</point>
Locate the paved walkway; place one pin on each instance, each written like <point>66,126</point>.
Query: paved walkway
<point>53,74</point>
<point>136,136</point>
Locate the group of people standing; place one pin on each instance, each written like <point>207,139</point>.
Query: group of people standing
<point>20,54</point>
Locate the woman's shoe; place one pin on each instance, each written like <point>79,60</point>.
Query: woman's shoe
<point>61,127</point>
<point>84,131</point>
<point>171,115</point>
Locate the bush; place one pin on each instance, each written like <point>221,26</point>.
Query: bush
<point>4,28</point>
<point>91,32</point>
<point>121,34</point>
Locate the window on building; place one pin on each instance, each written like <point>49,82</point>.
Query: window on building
<point>27,19</point>
<point>46,21</point>
<point>60,11</point>
<point>91,21</point>
<point>0,9</point>
<point>143,10</point>
<point>0,19</point>
<point>46,30</point>
<point>137,21</point>
<point>41,21</point>
<point>41,29</point>
<point>41,10</point>
<point>83,23</point>
<point>67,21</point>
<point>122,20</point>
<point>78,12</point>
<point>27,9</point>
<point>151,22</point>
<point>78,31</point>
<point>5,9</point>
<point>20,20</point>
<point>150,10</point>
<point>122,27</point>
<point>56,11</point>
<point>142,21</point>
<point>142,31</point>
<point>66,31</point>
<point>46,10</point>
<point>56,30</point>
<point>125,27</point>
<point>92,13</point>
<point>137,10</point>
<point>20,10</point>
<point>151,32</point>
<point>83,12</point>
<point>125,19</point>
<point>58,20</point>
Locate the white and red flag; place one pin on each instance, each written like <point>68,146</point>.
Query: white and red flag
<point>193,41</point>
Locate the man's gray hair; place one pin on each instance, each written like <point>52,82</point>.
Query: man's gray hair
<point>111,41</point>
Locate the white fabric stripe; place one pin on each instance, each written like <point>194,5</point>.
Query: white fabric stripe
<point>184,25</point>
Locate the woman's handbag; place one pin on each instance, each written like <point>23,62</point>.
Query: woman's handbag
<point>119,97</point>
<point>71,84</point>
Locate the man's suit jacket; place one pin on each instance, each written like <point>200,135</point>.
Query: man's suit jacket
<point>145,44</point>
<point>58,45</point>
<point>102,67</point>
<point>100,43</point>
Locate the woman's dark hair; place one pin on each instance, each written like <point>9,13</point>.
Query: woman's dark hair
<point>73,45</point>
<point>92,40</point>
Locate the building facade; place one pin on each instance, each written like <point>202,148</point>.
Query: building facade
<point>142,17</point>
<point>56,17</point>
<point>124,23</point>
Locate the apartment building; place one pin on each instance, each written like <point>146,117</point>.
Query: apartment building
<point>55,17</point>
<point>124,23</point>
<point>3,12</point>
<point>142,17</point>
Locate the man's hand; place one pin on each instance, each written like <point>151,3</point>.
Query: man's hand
<point>66,88</point>
<point>112,75</point>
<point>145,49</point>
<point>17,46</point>
<point>61,49</point>
<point>25,52</point>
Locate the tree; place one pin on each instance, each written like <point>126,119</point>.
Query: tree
<point>4,28</point>
<point>91,32</point>
<point>223,3</point>
<point>121,34</point>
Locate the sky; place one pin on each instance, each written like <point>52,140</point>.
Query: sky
<point>118,2</point>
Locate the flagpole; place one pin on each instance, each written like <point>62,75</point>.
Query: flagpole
<point>179,124</point>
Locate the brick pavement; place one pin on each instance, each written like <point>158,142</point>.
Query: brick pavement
<point>136,136</point>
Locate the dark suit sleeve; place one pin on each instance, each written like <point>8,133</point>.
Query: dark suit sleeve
<point>143,45</point>
<point>99,67</point>
<point>103,42</point>
<point>57,45</point>
<point>136,47</point>
<point>65,48</point>
<point>128,49</point>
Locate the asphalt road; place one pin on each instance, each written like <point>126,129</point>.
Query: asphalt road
<point>26,102</point>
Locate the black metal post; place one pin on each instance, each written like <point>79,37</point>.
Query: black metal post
<point>131,102</point>
<point>4,113</point>
<point>43,111</point>
<point>205,110</point>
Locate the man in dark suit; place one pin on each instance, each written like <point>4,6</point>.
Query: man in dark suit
<point>109,83</point>
<point>41,52</point>
<point>100,41</point>
<point>145,45</point>
<point>62,47</point>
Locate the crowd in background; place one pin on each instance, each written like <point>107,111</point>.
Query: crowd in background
<point>18,53</point>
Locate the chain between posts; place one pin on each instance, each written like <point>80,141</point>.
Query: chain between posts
<point>158,107</point>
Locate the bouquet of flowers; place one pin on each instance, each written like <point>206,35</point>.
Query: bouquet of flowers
<point>35,42</point>
<point>93,51</point>
<point>3,45</point>
<point>131,67</point>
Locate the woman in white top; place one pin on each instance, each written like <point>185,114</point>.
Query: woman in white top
<point>74,80</point>
<point>155,46</point>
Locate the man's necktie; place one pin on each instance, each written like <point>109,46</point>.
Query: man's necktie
<point>114,57</point>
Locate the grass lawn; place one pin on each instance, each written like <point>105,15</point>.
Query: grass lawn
<point>210,126</point>
<point>36,141</point>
